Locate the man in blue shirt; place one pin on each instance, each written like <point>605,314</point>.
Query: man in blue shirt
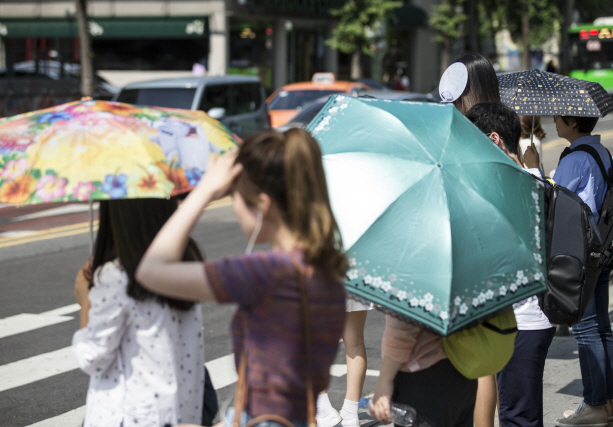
<point>579,172</point>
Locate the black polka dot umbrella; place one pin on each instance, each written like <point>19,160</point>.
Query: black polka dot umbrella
<point>541,93</point>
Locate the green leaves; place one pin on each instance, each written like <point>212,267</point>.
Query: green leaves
<point>360,24</point>
<point>446,20</point>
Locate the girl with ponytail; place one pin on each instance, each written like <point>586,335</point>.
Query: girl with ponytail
<point>280,197</point>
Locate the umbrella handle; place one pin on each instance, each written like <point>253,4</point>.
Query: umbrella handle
<point>91,228</point>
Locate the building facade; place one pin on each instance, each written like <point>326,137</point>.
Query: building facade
<point>280,41</point>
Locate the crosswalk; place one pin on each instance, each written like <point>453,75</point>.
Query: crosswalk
<point>50,365</point>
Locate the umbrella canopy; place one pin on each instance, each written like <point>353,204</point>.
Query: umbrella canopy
<point>441,227</point>
<point>542,93</point>
<point>99,150</point>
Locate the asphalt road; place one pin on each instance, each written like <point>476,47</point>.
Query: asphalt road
<point>39,384</point>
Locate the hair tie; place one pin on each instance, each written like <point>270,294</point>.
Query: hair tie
<point>453,82</point>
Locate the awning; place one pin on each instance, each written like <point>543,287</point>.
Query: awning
<point>134,27</point>
<point>408,17</point>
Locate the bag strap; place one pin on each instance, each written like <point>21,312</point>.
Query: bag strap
<point>592,152</point>
<point>241,386</point>
<point>495,328</point>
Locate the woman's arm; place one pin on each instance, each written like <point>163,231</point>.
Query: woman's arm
<point>81,292</point>
<point>161,269</point>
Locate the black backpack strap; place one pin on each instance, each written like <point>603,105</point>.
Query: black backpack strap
<point>592,152</point>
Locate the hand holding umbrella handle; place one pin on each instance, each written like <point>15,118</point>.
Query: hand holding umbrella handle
<point>531,157</point>
<point>82,284</point>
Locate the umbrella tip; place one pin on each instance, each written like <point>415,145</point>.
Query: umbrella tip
<point>86,98</point>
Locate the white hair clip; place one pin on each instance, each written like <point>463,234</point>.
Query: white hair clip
<point>453,82</point>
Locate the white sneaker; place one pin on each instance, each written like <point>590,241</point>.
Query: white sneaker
<point>331,419</point>
<point>351,422</point>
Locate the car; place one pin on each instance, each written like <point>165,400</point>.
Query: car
<point>285,102</point>
<point>52,70</point>
<point>310,109</point>
<point>237,101</point>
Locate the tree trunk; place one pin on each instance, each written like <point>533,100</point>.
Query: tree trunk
<point>445,55</point>
<point>85,53</point>
<point>525,32</point>
<point>565,43</point>
<point>356,65</point>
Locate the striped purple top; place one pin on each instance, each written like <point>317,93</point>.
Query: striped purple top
<point>268,323</point>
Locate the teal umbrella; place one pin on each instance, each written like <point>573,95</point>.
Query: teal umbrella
<point>440,226</point>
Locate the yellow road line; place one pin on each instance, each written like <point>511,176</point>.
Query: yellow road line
<point>73,229</point>
<point>561,141</point>
<point>46,236</point>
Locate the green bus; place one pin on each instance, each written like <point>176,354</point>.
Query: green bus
<point>591,52</point>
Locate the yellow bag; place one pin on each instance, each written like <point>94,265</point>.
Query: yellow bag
<point>484,349</point>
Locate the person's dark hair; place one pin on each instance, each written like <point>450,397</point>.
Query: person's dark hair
<point>584,124</point>
<point>288,168</point>
<point>126,229</point>
<point>526,127</point>
<point>495,117</point>
<point>482,84</point>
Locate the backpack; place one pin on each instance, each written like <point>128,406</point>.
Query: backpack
<point>483,349</point>
<point>573,255</point>
<point>605,223</point>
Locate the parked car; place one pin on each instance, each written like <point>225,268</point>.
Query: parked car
<point>51,70</point>
<point>239,102</point>
<point>285,102</point>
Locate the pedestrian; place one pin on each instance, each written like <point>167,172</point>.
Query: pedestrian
<point>469,81</point>
<point>144,352</point>
<point>479,83</point>
<point>415,371</point>
<point>520,383</point>
<point>355,354</point>
<point>579,172</point>
<point>280,197</point>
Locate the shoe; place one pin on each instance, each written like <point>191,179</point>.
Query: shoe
<point>331,419</point>
<point>585,416</point>
<point>351,422</point>
<point>610,412</point>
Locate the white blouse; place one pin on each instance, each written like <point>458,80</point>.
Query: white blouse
<point>145,360</point>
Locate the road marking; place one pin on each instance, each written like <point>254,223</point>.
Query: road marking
<point>223,371</point>
<point>72,418</point>
<point>62,210</point>
<point>10,239</point>
<point>62,310</point>
<point>28,322</point>
<point>561,141</point>
<point>25,322</point>
<point>36,368</point>
<point>341,370</point>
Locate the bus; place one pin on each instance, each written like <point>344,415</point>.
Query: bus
<point>591,52</point>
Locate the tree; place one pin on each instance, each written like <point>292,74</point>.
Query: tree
<point>85,51</point>
<point>355,33</point>
<point>533,22</point>
<point>447,19</point>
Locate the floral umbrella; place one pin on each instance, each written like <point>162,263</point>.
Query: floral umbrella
<point>100,150</point>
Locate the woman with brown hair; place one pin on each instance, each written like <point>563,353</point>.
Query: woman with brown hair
<point>280,197</point>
